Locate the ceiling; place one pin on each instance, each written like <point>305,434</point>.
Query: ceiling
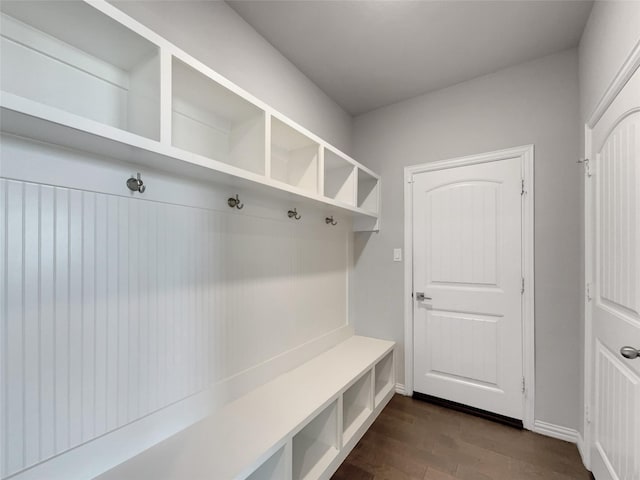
<point>367,54</point>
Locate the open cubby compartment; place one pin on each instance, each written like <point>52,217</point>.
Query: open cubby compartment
<point>339,178</point>
<point>357,405</point>
<point>275,468</point>
<point>210,120</point>
<point>383,373</point>
<point>70,56</point>
<point>316,445</point>
<point>368,191</point>
<point>294,157</point>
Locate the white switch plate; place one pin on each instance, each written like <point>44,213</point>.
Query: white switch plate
<point>397,254</point>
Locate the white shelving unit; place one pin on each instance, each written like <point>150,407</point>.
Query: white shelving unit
<point>357,405</point>
<point>316,445</point>
<point>291,426</point>
<point>339,178</point>
<point>70,56</point>
<point>294,157</point>
<point>384,378</point>
<point>86,76</point>
<point>210,120</point>
<point>276,468</point>
<point>368,190</point>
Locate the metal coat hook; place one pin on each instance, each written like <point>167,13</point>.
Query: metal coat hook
<point>330,221</point>
<point>235,202</point>
<point>294,214</point>
<point>136,184</point>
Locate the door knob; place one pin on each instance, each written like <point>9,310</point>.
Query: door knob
<point>420,297</point>
<point>630,352</point>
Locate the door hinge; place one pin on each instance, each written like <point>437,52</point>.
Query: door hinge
<point>522,286</point>
<point>522,190</point>
<point>587,166</point>
<point>588,292</point>
<point>587,414</point>
<point>523,385</point>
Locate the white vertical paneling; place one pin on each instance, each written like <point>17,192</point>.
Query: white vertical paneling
<point>116,307</point>
<point>619,206</point>
<point>31,327</point>
<point>475,335</point>
<point>88,313</point>
<point>62,316</point>
<point>462,229</point>
<point>617,414</point>
<point>47,319</point>
<point>101,304</point>
<point>13,348</point>
<point>75,350</point>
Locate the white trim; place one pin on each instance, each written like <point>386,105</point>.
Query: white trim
<point>401,390</point>
<point>582,450</point>
<point>626,71</point>
<point>588,331</point>
<point>526,152</point>
<point>556,431</point>
<point>628,68</point>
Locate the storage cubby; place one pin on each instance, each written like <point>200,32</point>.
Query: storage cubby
<point>71,56</point>
<point>273,469</point>
<point>339,178</point>
<point>383,373</point>
<point>367,191</point>
<point>211,120</point>
<point>356,406</point>
<point>294,157</point>
<point>316,445</point>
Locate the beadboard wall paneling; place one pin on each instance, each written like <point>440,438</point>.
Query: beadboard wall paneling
<point>116,307</point>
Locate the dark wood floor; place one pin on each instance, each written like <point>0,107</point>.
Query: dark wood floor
<point>412,439</point>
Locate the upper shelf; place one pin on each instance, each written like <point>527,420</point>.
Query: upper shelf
<point>86,76</point>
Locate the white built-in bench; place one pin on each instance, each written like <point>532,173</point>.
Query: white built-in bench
<point>301,425</point>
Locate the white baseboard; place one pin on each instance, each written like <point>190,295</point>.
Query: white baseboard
<point>582,449</point>
<point>400,389</point>
<point>555,431</point>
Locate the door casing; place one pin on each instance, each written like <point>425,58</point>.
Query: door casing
<point>526,154</point>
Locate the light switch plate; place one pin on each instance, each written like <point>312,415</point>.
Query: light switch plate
<point>397,254</point>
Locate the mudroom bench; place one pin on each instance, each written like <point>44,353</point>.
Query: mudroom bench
<point>301,425</point>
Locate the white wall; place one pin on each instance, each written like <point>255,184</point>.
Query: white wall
<point>536,102</point>
<point>217,36</point>
<point>611,33</point>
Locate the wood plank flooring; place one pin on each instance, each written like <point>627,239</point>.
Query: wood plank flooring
<point>412,439</point>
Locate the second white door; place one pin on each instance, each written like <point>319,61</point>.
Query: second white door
<point>467,261</point>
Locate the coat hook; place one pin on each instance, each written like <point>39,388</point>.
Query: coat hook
<point>330,221</point>
<point>136,184</point>
<point>235,202</point>
<point>294,214</point>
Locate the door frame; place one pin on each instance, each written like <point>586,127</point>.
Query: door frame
<point>526,154</point>
<point>624,74</point>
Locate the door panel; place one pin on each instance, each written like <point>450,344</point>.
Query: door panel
<point>615,308</point>
<point>467,261</point>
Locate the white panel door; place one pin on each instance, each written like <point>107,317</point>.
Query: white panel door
<point>467,262</point>
<point>615,306</point>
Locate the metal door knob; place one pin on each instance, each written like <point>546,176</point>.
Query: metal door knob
<point>420,297</point>
<point>630,352</point>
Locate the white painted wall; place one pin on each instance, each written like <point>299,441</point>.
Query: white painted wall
<point>213,33</point>
<point>536,102</point>
<point>610,34</point>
